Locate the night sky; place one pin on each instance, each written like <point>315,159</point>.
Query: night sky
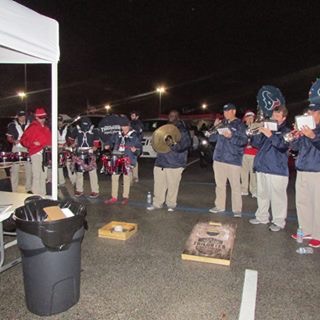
<point>203,51</point>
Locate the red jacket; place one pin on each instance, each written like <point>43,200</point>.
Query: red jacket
<point>36,132</point>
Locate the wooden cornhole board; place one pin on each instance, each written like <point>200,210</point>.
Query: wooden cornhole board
<point>210,242</point>
<point>107,231</point>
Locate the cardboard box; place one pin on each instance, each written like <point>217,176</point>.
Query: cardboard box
<point>54,213</point>
<point>108,230</point>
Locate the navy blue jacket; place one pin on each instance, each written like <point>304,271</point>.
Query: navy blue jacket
<point>230,150</point>
<point>129,140</point>
<point>177,157</point>
<point>308,152</point>
<point>272,156</point>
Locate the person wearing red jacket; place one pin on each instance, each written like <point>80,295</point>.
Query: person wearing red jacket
<point>35,138</point>
<point>247,173</point>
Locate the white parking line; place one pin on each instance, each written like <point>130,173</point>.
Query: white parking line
<point>249,293</point>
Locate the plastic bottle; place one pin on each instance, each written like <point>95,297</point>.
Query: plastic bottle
<point>149,199</point>
<point>304,250</point>
<point>299,235</point>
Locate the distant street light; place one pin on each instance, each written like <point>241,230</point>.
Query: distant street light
<point>23,96</point>
<point>204,106</point>
<point>107,107</point>
<point>160,90</point>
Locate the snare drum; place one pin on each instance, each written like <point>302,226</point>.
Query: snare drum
<point>84,160</point>
<point>6,159</point>
<point>120,163</point>
<point>22,157</point>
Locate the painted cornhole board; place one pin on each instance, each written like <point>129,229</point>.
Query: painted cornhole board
<point>107,231</point>
<point>210,242</point>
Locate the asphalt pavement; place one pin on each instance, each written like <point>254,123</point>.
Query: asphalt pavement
<point>144,278</point>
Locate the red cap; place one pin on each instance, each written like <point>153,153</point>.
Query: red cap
<point>40,112</point>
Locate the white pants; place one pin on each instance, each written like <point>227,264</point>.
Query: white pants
<point>166,186</point>
<point>14,175</point>
<point>272,189</point>
<point>39,175</point>
<point>307,202</point>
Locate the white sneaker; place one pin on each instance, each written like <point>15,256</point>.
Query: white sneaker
<point>274,228</point>
<point>216,210</point>
<point>244,193</point>
<point>151,208</point>
<point>170,209</point>
<point>256,221</point>
<point>237,214</point>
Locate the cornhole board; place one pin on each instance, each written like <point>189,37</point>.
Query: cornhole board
<point>107,231</point>
<point>210,242</point>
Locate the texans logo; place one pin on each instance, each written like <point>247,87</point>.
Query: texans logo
<point>269,103</point>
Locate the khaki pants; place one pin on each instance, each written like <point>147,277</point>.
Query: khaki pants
<point>223,172</point>
<point>272,189</point>
<point>39,175</point>
<point>93,177</point>
<point>307,202</point>
<point>135,172</point>
<point>14,176</point>
<point>248,174</point>
<point>166,186</point>
<point>71,175</point>
<point>126,185</point>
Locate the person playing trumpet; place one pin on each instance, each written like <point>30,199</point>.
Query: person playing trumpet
<point>227,159</point>
<point>307,143</point>
<point>271,166</point>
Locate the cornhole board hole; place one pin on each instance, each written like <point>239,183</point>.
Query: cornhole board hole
<point>110,230</point>
<point>210,242</point>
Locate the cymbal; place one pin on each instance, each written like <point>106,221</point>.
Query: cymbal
<point>159,137</point>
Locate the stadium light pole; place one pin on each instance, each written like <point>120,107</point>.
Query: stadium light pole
<point>160,90</point>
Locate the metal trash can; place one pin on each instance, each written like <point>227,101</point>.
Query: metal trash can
<point>51,255</point>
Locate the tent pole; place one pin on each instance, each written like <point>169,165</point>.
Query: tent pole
<point>54,126</point>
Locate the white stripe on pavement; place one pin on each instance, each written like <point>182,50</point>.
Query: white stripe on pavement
<point>249,293</point>
<point>192,162</point>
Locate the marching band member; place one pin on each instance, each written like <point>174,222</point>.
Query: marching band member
<point>308,174</point>
<point>86,138</point>
<point>128,143</point>
<point>227,159</point>
<point>62,142</point>
<point>108,128</point>
<point>247,173</point>
<point>271,166</point>
<point>36,138</point>
<point>169,166</point>
<point>14,133</point>
<point>137,125</point>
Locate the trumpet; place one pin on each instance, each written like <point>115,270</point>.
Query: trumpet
<point>292,135</point>
<point>214,129</point>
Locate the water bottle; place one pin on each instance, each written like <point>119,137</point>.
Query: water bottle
<point>304,250</point>
<point>149,199</point>
<point>299,235</point>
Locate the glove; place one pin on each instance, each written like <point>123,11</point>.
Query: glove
<point>207,134</point>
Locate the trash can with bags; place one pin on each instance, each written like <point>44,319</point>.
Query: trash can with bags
<point>51,254</point>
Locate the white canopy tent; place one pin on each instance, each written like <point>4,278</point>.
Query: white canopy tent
<point>28,37</point>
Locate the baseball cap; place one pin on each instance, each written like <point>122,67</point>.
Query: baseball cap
<point>21,113</point>
<point>249,114</point>
<point>40,113</point>
<point>229,106</point>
